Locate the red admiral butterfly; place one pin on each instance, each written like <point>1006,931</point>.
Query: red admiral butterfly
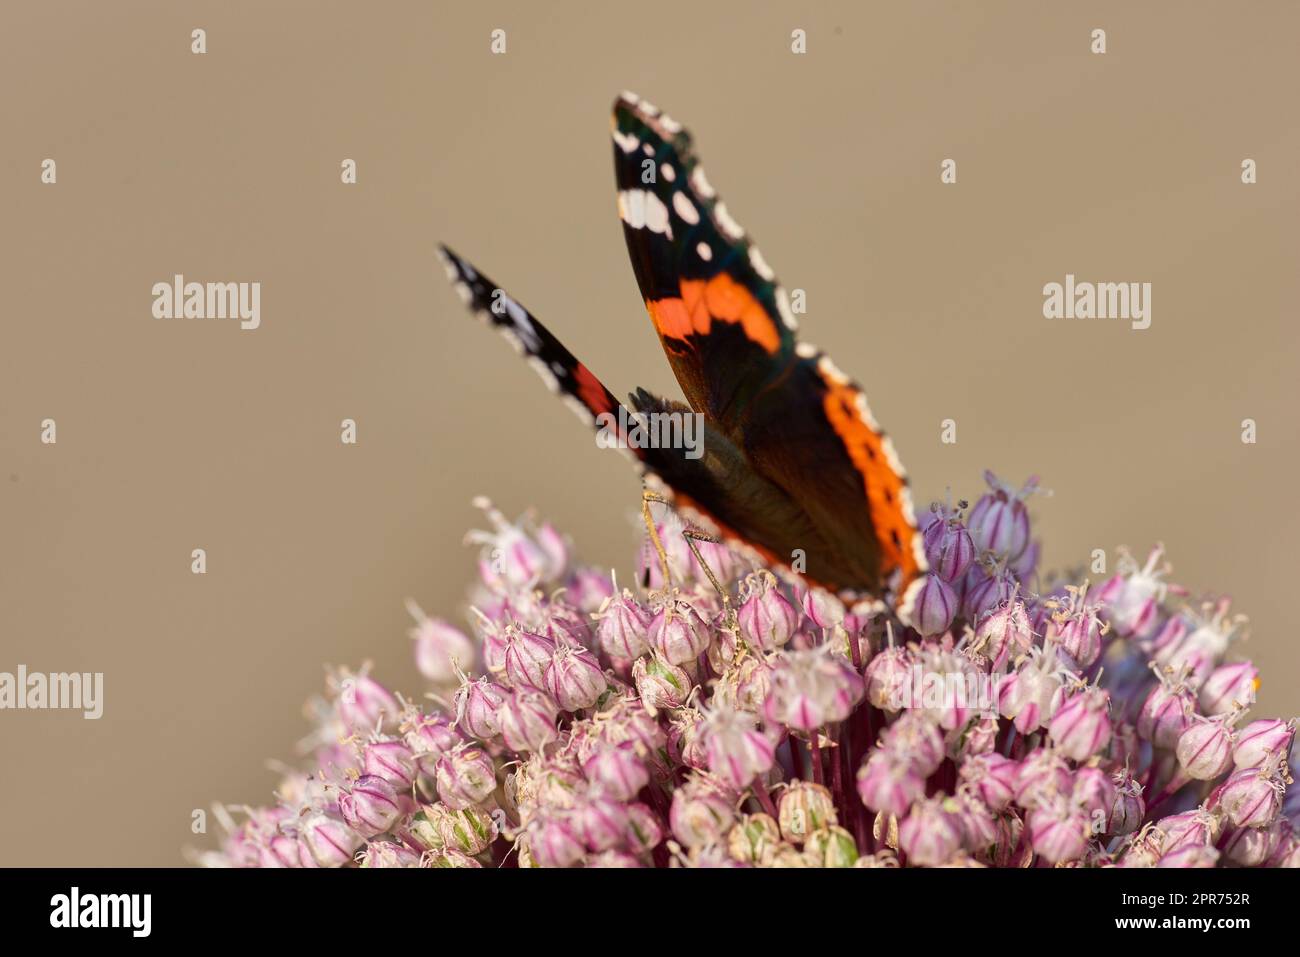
<point>793,463</point>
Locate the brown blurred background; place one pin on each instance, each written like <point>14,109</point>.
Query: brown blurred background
<point>225,167</point>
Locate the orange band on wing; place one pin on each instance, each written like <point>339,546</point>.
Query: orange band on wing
<point>720,298</point>
<point>884,487</point>
<point>593,395</point>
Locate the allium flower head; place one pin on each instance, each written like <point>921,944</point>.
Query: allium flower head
<point>983,719</point>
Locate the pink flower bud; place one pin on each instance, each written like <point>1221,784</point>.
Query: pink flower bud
<point>1251,846</point>
<point>1094,794</point>
<point>441,650</point>
<point>555,546</point>
<point>1263,741</point>
<point>1144,848</point>
<point>1166,713</point>
<point>477,704</point>
<point>470,830</point>
<point>767,620</point>
<point>449,857</point>
<point>465,776</point>
<point>976,737</point>
<point>934,608</point>
<point>574,679</point>
<point>812,688</point>
<point>999,522</point>
<point>991,777</point>
<point>1229,687</point>
<point>527,719</point>
<point>948,545</point>
<point>930,835</point>
<point>1131,599</point>
<point>754,840</point>
<point>612,859</point>
<point>514,557</point>
<point>1205,749</point>
<point>589,588</point>
<point>700,814</point>
<point>1042,778</point>
<point>388,854</point>
<point>526,658</point>
<point>1024,567</point>
<point>888,783</point>
<point>1081,725</point>
<point>678,633</point>
<point>429,736</point>
<point>600,823</point>
<point>621,627</point>
<point>363,704</point>
<point>979,826</point>
<point>1005,633</point>
<point>1197,827</point>
<point>553,842</point>
<point>391,759</point>
<point>985,592</point>
<point>887,674</point>
<point>329,841</point>
<point>1252,797</point>
<point>1058,832</point>
<point>1190,855</point>
<point>643,830</point>
<point>684,741</point>
<point>1286,852</point>
<point>803,809</point>
<point>1080,634</point>
<point>916,740</point>
<point>564,626</point>
<point>821,607</point>
<point>736,751</point>
<point>616,772</point>
<point>1129,809</point>
<point>369,806</point>
<point>660,684</point>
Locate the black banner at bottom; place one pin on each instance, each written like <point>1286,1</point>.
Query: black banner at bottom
<point>439,906</point>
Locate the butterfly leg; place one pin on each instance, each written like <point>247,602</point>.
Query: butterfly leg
<point>647,497</point>
<point>692,536</point>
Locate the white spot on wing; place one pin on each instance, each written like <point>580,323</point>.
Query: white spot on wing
<point>627,142</point>
<point>760,264</point>
<point>644,210</point>
<point>806,350</point>
<point>667,172</point>
<point>704,251</point>
<point>829,370</point>
<point>864,411</point>
<point>685,208</point>
<point>580,410</point>
<point>783,309</point>
<point>891,455</point>
<point>729,225</point>
<point>548,377</point>
<point>701,184</point>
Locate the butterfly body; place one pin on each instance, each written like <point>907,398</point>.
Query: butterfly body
<point>794,466</point>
